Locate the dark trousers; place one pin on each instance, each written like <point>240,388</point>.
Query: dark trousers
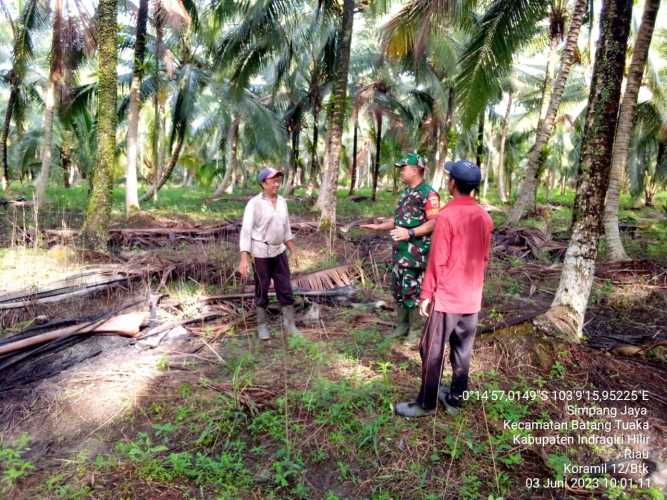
<point>459,330</point>
<point>277,268</point>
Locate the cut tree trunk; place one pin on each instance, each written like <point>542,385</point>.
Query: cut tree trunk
<point>565,317</point>
<point>131,184</point>
<point>327,198</point>
<point>619,160</point>
<point>95,230</point>
<point>526,197</point>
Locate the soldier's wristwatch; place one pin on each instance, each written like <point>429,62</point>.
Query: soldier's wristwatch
<point>411,233</point>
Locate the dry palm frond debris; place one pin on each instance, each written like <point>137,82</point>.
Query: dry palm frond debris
<point>151,237</point>
<point>633,271</point>
<point>525,242</point>
<point>78,285</point>
<point>254,398</point>
<point>162,236</point>
<point>325,279</point>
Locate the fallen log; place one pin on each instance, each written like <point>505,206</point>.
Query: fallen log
<point>126,325</point>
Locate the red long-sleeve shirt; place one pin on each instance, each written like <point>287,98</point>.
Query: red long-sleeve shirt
<point>460,251</point>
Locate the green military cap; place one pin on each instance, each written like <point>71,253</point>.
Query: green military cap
<point>412,159</point>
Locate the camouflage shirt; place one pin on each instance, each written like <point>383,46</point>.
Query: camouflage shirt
<point>415,206</point>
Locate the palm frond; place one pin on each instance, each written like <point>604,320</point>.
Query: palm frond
<point>505,27</point>
<point>191,78</point>
<point>325,279</point>
<point>409,31</point>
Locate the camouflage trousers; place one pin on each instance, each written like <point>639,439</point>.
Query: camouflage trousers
<point>406,285</point>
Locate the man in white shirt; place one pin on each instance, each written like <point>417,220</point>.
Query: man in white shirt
<point>266,235</point>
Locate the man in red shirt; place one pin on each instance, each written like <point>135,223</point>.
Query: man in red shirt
<point>451,294</point>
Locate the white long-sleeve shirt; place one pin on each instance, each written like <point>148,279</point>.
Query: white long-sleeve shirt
<point>265,228</point>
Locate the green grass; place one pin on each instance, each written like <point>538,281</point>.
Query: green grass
<point>332,426</point>
<point>13,464</point>
<point>193,202</point>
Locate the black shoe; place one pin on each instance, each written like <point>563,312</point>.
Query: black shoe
<point>452,408</point>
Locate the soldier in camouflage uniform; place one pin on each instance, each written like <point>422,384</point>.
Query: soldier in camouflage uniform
<point>411,227</point>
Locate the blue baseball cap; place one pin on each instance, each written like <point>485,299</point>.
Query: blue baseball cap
<point>464,171</point>
<point>267,173</point>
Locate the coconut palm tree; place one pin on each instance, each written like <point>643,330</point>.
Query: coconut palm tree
<point>131,184</point>
<point>326,201</point>
<point>424,38</point>
<point>96,225</point>
<point>546,124</point>
<point>647,162</point>
<point>55,76</point>
<point>378,100</point>
<point>30,18</point>
<point>565,317</point>
<point>624,133</point>
<point>504,131</point>
<point>248,112</point>
<point>190,81</point>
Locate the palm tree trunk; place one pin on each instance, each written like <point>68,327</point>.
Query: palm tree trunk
<point>166,174</point>
<point>293,174</point>
<point>479,150</point>
<point>158,128</point>
<point>96,225</point>
<point>314,161</point>
<point>232,140</point>
<point>66,162</point>
<point>378,145</point>
<point>624,131</point>
<point>545,128</point>
<point>5,136</point>
<point>501,153</point>
<point>439,172</point>
<point>55,75</point>
<point>565,317</point>
<point>353,173</point>
<point>131,184</point>
<point>327,199</point>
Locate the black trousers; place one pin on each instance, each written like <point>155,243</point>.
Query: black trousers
<point>276,268</point>
<point>459,331</point>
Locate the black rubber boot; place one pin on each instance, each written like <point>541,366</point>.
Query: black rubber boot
<point>415,332</point>
<point>402,327</point>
